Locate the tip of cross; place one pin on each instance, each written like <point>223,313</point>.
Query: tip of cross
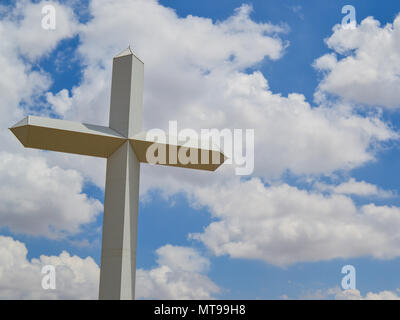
<point>127,52</point>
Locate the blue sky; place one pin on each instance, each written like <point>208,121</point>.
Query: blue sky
<point>169,215</point>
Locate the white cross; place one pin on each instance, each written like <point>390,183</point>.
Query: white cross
<point>125,146</point>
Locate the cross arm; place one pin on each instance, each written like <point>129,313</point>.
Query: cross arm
<point>92,140</point>
<point>192,154</point>
<point>67,136</point>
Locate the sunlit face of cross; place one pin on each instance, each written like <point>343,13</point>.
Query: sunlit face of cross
<point>125,146</point>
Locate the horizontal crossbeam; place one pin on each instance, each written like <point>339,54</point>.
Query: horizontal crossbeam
<point>192,154</point>
<point>67,136</point>
<point>99,141</point>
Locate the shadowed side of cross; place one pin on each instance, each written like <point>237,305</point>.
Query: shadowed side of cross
<point>125,146</point>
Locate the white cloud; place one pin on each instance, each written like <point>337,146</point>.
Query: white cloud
<point>290,134</point>
<point>350,294</point>
<point>369,71</point>
<point>182,258</point>
<point>326,62</point>
<point>37,199</point>
<point>25,27</point>
<point>283,225</point>
<point>178,53</point>
<point>353,187</point>
<point>78,278</point>
<point>61,101</point>
<point>178,275</point>
<point>356,295</point>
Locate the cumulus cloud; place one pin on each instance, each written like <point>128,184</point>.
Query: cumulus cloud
<point>37,199</point>
<point>283,225</point>
<point>356,295</point>
<point>179,274</point>
<point>25,27</point>
<point>368,71</point>
<point>178,53</point>
<point>61,101</point>
<point>78,278</point>
<point>359,188</point>
<point>351,294</point>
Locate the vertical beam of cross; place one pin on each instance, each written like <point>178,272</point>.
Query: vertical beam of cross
<point>118,257</point>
